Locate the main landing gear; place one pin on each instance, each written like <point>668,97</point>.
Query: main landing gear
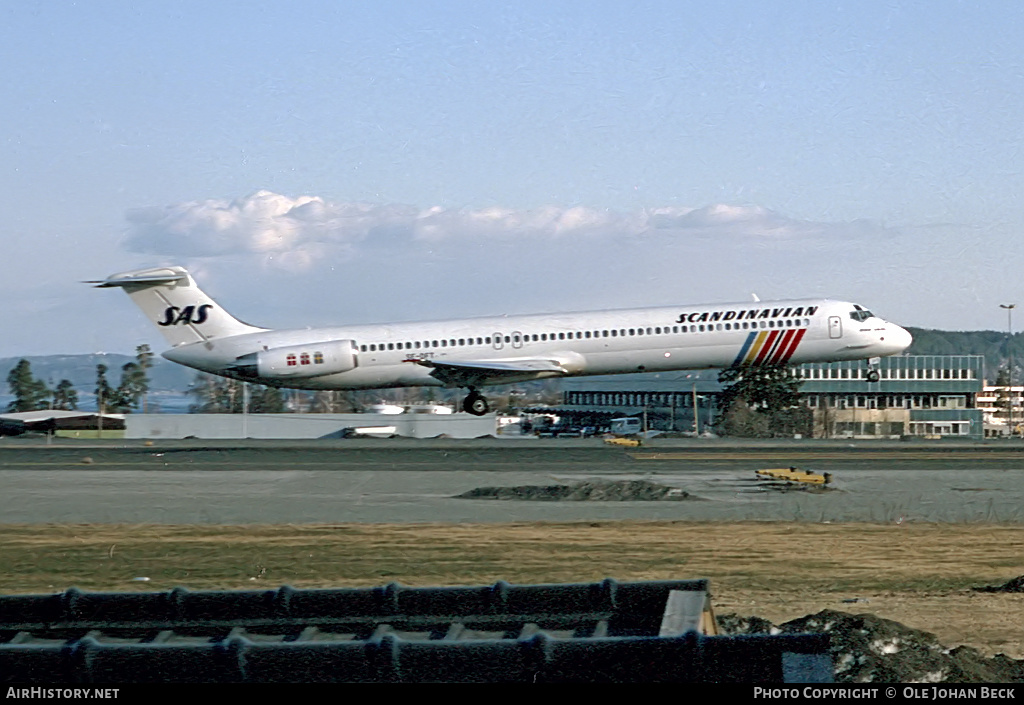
<point>475,403</point>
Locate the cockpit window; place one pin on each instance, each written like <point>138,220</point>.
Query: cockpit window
<point>860,314</point>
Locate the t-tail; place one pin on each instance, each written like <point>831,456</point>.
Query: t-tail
<point>170,298</point>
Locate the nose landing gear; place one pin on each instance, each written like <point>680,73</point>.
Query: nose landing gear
<point>872,373</point>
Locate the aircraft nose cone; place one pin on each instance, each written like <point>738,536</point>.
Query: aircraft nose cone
<point>898,339</point>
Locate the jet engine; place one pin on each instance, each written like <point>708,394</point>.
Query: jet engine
<point>299,361</point>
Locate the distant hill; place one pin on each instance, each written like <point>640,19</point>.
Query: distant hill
<point>81,370</point>
<point>990,343</point>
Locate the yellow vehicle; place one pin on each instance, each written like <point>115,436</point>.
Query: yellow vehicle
<point>794,475</point>
<point>628,442</point>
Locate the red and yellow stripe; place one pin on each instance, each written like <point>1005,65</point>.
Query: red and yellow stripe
<point>769,347</point>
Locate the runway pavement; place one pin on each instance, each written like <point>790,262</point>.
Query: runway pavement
<point>416,481</point>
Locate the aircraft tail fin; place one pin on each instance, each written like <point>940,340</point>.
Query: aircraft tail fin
<point>170,298</point>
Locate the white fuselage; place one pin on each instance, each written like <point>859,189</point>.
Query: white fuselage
<point>587,343</point>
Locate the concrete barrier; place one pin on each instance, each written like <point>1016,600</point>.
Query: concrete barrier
<point>210,426</point>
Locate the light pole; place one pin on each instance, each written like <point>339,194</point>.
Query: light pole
<point>1009,372</point>
<point>696,412</point>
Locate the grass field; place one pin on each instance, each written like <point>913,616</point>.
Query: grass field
<point>918,574</point>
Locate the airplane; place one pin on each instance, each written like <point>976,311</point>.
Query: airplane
<point>477,352</point>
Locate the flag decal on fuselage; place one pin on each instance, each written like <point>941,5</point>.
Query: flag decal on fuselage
<point>769,347</point>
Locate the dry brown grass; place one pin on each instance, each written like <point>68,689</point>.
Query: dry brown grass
<point>917,574</point>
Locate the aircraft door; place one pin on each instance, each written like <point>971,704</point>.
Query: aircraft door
<point>835,327</point>
<point>498,341</point>
<point>517,339</point>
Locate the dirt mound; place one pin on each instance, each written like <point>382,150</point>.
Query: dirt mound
<point>1015,585</point>
<point>617,491</point>
<point>866,649</point>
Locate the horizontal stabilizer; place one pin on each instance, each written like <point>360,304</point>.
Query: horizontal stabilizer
<point>147,277</point>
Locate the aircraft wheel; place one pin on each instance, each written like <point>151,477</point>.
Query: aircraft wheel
<point>475,404</point>
<point>873,376</point>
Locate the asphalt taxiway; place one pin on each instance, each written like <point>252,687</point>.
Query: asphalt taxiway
<point>258,482</point>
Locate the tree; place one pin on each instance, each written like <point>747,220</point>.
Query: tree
<point>266,400</point>
<point>29,393</point>
<point>134,380</point>
<point>742,421</point>
<point>215,395</point>
<point>105,397</point>
<point>330,402</point>
<point>219,395</point>
<point>65,397</point>
<point>764,387</point>
<point>130,390</point>
<point>763,401</point>
<point>1002,377</point>
<point>144,359</point>
<point>795,420</point>
<point>1004,398</point>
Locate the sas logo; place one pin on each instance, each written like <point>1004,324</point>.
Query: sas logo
<point>190,314</point>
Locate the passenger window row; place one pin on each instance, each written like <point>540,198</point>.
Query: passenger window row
<point>518,339</point>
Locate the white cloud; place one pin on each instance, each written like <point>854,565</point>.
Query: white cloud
<point>722,219</point>
<point>384,262</point>
<point>291,233</point>
<point>295,233</point>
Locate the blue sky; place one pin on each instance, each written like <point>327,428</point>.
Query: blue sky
<point>330,162</point>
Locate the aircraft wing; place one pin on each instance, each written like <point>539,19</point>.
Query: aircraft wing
<point>471,373</point>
